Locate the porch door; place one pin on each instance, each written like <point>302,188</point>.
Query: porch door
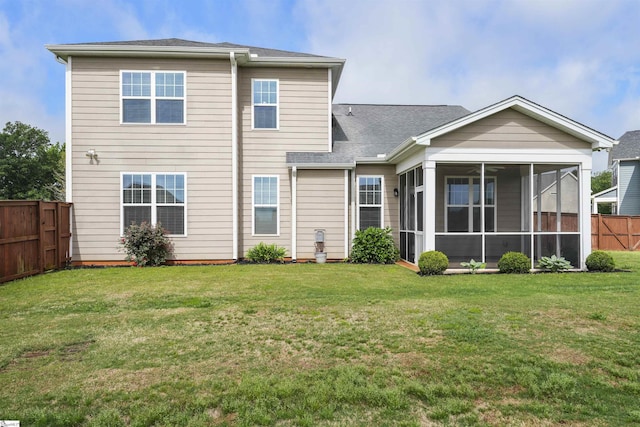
<point>411,214</point>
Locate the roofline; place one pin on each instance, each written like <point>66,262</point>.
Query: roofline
<point>615,187</point>
<point>627,159</point>
<point>598,140</point>
<point>242,54</point>
<point>321,165</point>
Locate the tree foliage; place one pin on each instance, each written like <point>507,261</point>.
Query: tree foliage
<point>600,182</point>
<point>31,167</point>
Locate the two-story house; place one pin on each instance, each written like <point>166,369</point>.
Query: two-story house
<point>230,145</point>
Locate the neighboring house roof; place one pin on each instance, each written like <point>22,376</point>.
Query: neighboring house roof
<point>627,148</point>
<point>366,131</point>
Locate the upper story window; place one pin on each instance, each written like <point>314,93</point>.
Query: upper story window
<point>153,97</point>
<point>265,104</point>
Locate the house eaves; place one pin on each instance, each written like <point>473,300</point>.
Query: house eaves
<point>597,140</point>
<point>176,48</point>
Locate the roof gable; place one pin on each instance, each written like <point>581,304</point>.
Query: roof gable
<point>531,109</point>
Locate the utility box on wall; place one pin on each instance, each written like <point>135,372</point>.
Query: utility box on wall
<point>321,255</point>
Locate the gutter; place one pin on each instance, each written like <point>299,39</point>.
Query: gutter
<point>402,148</point>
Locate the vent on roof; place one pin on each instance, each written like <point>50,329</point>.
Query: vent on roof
<point>349,113</point>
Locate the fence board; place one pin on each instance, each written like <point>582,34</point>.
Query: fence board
<point>615,232</point>
<point>34,237</point>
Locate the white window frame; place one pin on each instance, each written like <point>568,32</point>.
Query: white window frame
<point>277,104</point>
<point>154,204</point>
<point>381,205</point>
<point>470,205</point>
<point>153,98</point>
<point>254,205</point>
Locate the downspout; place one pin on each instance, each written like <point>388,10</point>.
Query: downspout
<point>294,214</point>
<point>234,154</point>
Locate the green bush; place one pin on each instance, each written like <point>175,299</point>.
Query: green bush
<point>432,263</point>
<point>555,264</point>
<point>146,245</point>
<point>374,246</point>
<point>514,262</point>
<point>600,261</point>
<point>266,254</point>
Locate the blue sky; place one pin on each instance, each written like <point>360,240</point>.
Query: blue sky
<point>580,58</point>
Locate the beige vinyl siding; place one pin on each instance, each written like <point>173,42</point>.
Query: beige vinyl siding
<point>508,129</point>
<point>201,149</point>
<point>391,204</point>
<point>321,205</point>
<point>303,108</point>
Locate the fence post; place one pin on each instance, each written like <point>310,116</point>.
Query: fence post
<point>41,236</point>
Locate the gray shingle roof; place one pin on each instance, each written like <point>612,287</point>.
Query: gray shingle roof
<point>627,148</point>
<point>369,130</point>
<point>261,52</point>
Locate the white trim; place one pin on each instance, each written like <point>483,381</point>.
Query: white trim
<point>153,204</point>
<point>346,213</point>
<point>68,131</point>
<point>429,169</point>
<point>234,156</point>
<point>354,210</point>
<point>522,105</point>
<point>332,166</point>
<point>277,104</point>
<point>294,213</point>
<point>519,156</point>
<point>329,110</point>
<point>381,205</point>
<point>153,98</point>
<point>585,214</point>
<point>253,205</point>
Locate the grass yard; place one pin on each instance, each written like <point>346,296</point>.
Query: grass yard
<point>327,345</point>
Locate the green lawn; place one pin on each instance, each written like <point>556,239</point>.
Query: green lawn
<point>333,345</point>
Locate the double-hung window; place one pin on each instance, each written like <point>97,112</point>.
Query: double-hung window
<point>156,198</point>
<point>265,104</point>
<point>463,204</point>
<point>266,205</point>
<point>153,97</point>
<point>370,202</point>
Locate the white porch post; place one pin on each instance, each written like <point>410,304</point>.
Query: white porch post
<point>585,215</point>
<point>429,235</point>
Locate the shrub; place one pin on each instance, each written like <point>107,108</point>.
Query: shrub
<point>374,246</point>
<point>473,265</point>
<point>145,244</point>
<point>555,264</point>
<point>266,254</point>
<point>600,261</point>
<point>432,263</point>
<point>514,262</point>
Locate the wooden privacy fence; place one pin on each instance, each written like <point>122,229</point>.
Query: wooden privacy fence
<point>34,237</point>
<point>615,232</point>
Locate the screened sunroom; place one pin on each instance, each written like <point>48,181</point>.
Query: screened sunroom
<point>484,210</point>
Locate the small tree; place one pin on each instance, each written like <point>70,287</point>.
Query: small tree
<point>145,244</point>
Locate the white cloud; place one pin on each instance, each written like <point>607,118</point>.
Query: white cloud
<point>570,56</point>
